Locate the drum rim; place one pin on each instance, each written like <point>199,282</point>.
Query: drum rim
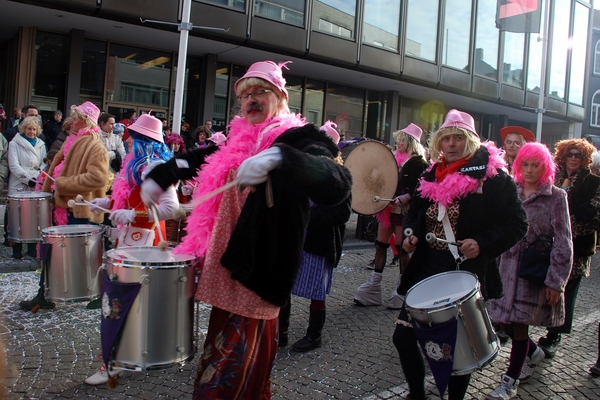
<point>29,195</point>
<point>443,307</point>
<point>124,263</point>
<point>47,232</point>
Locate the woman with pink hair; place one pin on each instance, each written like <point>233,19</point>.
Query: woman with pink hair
<point>525,302</point>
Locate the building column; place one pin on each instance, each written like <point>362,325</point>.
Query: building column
<point>73,88</point>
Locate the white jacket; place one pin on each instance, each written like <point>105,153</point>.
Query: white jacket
<point>25,162</point>
<point>3,160</point>
<point>113,144</point>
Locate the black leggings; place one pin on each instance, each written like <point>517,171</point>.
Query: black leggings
<point>414,368</point>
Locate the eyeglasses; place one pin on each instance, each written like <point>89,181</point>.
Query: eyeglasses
<point>576,155</point>
<point>256,94</point>
<point>515,142</point>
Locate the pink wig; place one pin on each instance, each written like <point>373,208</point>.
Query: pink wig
<point>539,153</point>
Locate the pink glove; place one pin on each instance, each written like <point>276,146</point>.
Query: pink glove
<point>122,216</point>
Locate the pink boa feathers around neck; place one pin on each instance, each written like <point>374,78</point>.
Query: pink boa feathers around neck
<point>457,185</point>
<point>121,191</point>
<point>401,157</point>
<point>244,141</point>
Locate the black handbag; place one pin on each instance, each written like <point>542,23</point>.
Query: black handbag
<point>535,260</point>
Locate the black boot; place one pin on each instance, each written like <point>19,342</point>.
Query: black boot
<point>549,343</point>
<point>37,302</point>
<point>17,250</point>
<point>312,340</point>
<point>284,323</point>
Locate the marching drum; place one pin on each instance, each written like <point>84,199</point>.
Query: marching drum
<point>75,257</point>
<point>441,297</point>
<point>158,330</point>
<point>28,214</point>
<point>374,173</point>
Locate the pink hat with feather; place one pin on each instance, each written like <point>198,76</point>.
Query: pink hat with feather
<point>270,72</point>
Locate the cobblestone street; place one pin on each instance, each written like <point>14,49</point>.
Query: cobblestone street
<point>50,353</point>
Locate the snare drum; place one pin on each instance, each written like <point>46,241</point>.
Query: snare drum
<point>158,330</point>
<point>374,173</point>
<point>28,214</point>
<point>75,257</point>
<point>441,297</point>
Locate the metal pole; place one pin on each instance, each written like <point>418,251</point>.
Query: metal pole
<point>544,39</point>
<point>184,29</point>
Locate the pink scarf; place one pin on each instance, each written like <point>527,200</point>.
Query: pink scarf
<point>244,141</point>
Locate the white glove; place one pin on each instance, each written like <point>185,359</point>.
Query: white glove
<point>111,155</point>
<point>150,192</point>
<point>122,216</point>
<point>187,190</point>
<point>256,169</point>
<point>98,203</point>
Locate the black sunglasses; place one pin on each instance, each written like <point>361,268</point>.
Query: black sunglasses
<point>576,155</point>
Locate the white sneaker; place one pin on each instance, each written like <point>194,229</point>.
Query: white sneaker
<point>101,377</point>
<point>506,391</point>
<point>530,364</point>
<point>369,293</point>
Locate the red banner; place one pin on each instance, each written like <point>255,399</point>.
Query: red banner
<point>519,15</point>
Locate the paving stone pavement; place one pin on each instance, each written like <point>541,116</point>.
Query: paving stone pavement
<point>50,353</point>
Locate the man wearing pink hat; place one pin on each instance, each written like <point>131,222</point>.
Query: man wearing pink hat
<point>466,197</point>
<point>251,240</point>
<point>410,156</point>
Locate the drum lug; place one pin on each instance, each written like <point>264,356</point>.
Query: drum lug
<point>181,349</point>
<point>145,353</point>
<point>63,245</point>
<point>183,279</point>
<point>145,281</point>
<point>113,277</point>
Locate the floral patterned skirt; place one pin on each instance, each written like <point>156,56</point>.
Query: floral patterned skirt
<point>238,357</point>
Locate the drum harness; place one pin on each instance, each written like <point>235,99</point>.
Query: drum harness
<point>443,217</point>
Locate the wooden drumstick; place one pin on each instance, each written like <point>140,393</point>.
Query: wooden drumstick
<point>430,237</point>
<point>163,244</point>
<point>377,198</point>
<point>48,176</point>
<point>80,201</point>
<point>215,192</point>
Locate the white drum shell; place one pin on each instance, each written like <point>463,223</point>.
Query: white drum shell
<point>28,214</point>
<point>158,331</point>
<point>439,298</point>
<point>75,257</point>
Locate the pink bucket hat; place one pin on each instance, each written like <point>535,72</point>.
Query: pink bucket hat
<point>330,130</point>
<point>270,72</point>
<point>459,119</point>
<point>88,108</point>
<point>148,126</point>
<point>414,131</point>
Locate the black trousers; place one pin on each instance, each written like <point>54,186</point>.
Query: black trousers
<point>571,291</point>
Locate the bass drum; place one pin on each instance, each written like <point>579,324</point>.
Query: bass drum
<point>374,173</point>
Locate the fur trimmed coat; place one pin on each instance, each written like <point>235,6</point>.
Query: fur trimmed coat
<point>25,162</point>
<point>525,302</point>
<point>84,172</point>
<point>494,218</point>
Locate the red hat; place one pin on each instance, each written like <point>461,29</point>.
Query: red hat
<point>459,119</point>
<point>526,133</point>
<point>269,71</point>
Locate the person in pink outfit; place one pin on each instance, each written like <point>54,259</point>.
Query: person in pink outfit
<point>251,240</point>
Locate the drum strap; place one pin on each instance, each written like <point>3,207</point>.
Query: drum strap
<point>443,217</point>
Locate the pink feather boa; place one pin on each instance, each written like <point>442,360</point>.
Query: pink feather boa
<point>241,144</point>
<point>383,216</point>
<point>121,191</point>
<point>457,185</point>
<point>61,216</point>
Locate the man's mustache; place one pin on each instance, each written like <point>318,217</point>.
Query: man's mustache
<point>254,107</point>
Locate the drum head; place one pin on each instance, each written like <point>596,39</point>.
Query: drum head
<point>71,230</point>
<point>147,257</point>
<point>441,290</point>
<point>374,173</point>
